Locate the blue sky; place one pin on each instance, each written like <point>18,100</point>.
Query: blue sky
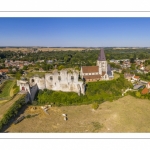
<point>75,32</point>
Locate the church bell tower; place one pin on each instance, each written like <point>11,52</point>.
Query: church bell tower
<point>101,62</point>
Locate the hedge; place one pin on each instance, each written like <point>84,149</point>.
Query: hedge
<point>12,112</point>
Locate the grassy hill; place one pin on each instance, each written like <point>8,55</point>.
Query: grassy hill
<point>126,115</point>
<point>5,89</point>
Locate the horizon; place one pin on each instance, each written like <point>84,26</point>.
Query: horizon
<point>75,32</point>
<point>70,47</point>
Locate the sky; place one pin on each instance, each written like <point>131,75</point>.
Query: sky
<point>75,32</point>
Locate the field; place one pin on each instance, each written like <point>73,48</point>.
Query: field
<point>6,89</point>
<point>27,49</point>
<point>127,114</point>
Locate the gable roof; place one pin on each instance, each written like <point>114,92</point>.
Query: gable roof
<point>102,55</point>
<point>136,77</point>
<point>89,69</point>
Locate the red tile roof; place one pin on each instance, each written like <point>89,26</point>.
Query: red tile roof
<point>4,70</point>
<point>145,91</point>
<point>136,77</point>
<point>90,69</point>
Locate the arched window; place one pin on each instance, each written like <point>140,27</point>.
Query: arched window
<point>72,78</point>
<point>59,78</point>
<point>32,80</point>
<point>51,78</point>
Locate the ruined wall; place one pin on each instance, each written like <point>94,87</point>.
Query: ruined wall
<point>58,81</point>
<point>39,81</point>
<point>63,81</point>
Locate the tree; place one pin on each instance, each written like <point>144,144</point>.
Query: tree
<point>61,67</point>
<point>138,94</point>
<point>95,106</point>
<point>133,66</point>
<point>25,67</point>
<point>121,62</point>
<point>131,60</point>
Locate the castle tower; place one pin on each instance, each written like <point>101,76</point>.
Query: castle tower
<point>101,62</point>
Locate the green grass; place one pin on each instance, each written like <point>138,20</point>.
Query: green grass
<point>31,74</point>
<point>5,89</point>
<point>116,75</point>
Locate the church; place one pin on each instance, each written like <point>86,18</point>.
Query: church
<point>101,71</point>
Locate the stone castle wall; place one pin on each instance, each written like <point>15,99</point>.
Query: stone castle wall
<point>59,81</point>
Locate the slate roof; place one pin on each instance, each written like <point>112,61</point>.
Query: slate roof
<point>109,70</point>
<point>102,55</point>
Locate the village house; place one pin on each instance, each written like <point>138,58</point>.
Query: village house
<point>136,78</point>
<point>4,71</point>
<point>146,90</point>
<point>146,71</point>
<point>128,76</point>
<point>17,63</point>
<point>142,67</point>
<point>148,85</point>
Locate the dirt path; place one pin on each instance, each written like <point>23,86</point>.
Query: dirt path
<point>5,106</point>
<point>11,92</point>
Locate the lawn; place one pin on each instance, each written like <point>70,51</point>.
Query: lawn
<point>6,88</point>
<point>116,75</point>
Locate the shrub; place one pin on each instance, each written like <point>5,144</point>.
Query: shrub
<point>12,112</point>
<point>95,106</point>
<point>138,94</point>
<point>28,116</point>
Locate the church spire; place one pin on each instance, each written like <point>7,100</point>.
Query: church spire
<point>102,55</point>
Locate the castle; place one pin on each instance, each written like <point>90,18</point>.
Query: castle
<point>67,80</point>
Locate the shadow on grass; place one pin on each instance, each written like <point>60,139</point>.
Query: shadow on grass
<point>5,127</point>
